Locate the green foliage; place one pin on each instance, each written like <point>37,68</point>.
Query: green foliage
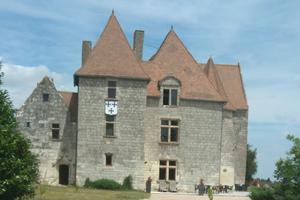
<point>18,166</point>
<point>106,184</point>
<point>251,166</point>
<point>127,183</point>
<point>261,193</point>
<point>287,173</point>
<point>210,194</point>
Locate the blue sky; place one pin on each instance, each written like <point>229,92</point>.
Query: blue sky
<point>41,38</point>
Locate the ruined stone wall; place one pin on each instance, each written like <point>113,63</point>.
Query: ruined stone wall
<point>127,147</point>
<point>41,115</point>
<point>198,150</point>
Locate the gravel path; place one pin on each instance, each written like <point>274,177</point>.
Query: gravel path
<point>181,196</point>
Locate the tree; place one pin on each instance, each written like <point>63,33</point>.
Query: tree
<point>287,173</point>
<point>18,166</point>
<point>251,165</point>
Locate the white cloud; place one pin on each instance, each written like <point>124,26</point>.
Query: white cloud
<point>21,80</point>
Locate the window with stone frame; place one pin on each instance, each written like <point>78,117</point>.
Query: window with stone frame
<point>167,170</point>
<point>169,130</point>
<point>110,125</point>
<point>108,159</point>
<point>170,97</point>
<point>45,97</point>
<point>55,131</point>
<point>111,89</point>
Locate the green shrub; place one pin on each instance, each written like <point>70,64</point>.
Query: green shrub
<point>106,184</point>
<point>127,183</point>
<point>261,193</point>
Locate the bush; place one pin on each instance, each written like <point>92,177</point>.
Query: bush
<point>261,193</point>
<point>106,184</point>
<point>127,183</point>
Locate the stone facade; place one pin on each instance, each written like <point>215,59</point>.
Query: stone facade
<point>198,131</point>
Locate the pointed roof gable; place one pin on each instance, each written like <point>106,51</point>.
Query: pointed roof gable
<point>112,55</point>
<point>173,58</point>
<point>213,76</point>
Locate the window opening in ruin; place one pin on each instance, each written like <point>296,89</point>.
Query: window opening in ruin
<point>45,97</point>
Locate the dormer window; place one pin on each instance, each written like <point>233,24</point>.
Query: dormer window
<point>170,97</point>
<point>111,89</point>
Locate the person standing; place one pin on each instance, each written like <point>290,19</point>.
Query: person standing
<point>201,187</point>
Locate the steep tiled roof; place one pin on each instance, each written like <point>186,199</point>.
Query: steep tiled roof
<point>173,59</point>
<point>71,100</point>
<point>231,78</point>
<point>112,55</point>
<point>213,75</point>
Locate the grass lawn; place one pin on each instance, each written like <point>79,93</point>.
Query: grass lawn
<point>72,193</point>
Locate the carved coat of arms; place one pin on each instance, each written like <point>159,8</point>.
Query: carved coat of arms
<point>111,107</point>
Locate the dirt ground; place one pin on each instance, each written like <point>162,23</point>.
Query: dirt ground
<point>178,196</point>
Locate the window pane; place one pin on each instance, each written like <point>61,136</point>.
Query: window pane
<point>108,159</point>
<point>162,162</point>
<point>45,97</point>
<point>112,83</point>
<point>55,133</point>
<point>172,174</point>
<point>174,134</point>
<point>111,93</point>
<point>110,118</point>
<point>172,162</point>
<point>55,125</point>
<point>166,94</point>
<point>162,173</point>
<point>164,122</point>
<point>174,123</point>
<point>174,97</point>
<point>109,129</point>
<point>164,134</point>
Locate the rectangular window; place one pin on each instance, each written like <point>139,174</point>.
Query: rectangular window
<point>110,123</point>
<point>27,124</point>
<point>169,130</point>
<point>108,159</point>
<point>167,170</point>
<point>55,131</point>
<point>45,97</point>
<point>170,97</point>
<point>112,89</point>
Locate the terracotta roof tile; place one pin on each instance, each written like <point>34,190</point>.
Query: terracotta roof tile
<point>173,59</point>
<point>231,78</point>
<point>112,55</point>
<point>71,100</point>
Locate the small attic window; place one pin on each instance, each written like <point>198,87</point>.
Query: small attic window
<point>45,97</point>
<point>170,97</point>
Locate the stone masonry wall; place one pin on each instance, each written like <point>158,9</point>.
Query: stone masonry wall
<point>127,147</point>
<point>198,151</point>
<point>240,120</point>
<point>41,115</point>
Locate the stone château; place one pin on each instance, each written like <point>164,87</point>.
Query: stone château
<point>169,117</point>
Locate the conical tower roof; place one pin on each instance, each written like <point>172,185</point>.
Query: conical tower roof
<point>112,55</point>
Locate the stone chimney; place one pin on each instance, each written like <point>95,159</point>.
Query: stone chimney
<point>138,40</point>
<point>86,50</point>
